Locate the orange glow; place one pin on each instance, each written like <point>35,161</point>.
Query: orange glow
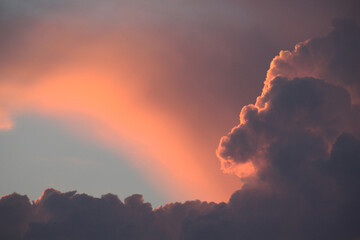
<point>113,114</point>
<point>104,96</point>
<point>5,122</point>
<point>242,170</point>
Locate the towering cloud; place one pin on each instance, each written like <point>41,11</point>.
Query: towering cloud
<point>310,98</point>
<point>302,137</point>
<point>297,149</point>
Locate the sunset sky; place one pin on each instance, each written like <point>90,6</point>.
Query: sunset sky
<point>175,100</point>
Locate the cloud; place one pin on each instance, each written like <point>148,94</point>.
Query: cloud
<point>57,215</point>
<point>334,58</point>
<point>299,145</point>
<point>15,214</point>
<point>310,97</point>
<point>302,136</point>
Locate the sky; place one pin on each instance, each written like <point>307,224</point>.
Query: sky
<point>197,117</point>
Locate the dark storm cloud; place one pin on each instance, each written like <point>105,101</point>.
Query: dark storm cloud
<point>310,95</point>
<point>79,216</point>
<point>302,110</point>
<point>302,135</point>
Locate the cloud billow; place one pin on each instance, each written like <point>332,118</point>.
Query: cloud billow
<point>302,136</point>
<point>297,149</point>
<point>304,97</point>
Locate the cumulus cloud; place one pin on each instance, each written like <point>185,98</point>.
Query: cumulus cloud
<point>310,97</point>
<point>297,149</point>
<point>302,137</point>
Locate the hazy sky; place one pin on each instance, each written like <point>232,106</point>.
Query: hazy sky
<point>134,96</point>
